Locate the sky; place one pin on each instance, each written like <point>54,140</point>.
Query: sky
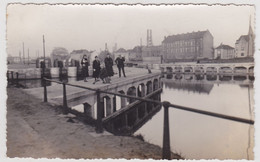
<point>90,27</point>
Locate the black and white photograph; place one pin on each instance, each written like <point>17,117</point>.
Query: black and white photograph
<point>119,81</point>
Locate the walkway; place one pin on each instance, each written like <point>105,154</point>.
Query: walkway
<point>55,91</point>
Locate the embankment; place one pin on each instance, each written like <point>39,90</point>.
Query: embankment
<point>39,130</point>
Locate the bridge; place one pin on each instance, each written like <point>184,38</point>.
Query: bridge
<point>138,83</point>
<point>232,68</point>
<point>210,78</point>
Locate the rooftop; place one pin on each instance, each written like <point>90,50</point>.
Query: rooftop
<point>223,46</point>
<point>245,37</point>
<point>185,36</point>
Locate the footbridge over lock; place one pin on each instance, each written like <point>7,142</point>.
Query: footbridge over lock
<point>130,112</point>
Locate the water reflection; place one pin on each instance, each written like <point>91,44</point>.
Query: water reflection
<point>190,87</point>
<point>198,136</point>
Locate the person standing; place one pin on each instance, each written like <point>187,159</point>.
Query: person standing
<point>120,65</point>
<point>109,65</point>
<point>85,64</point>
<point>96,69</point>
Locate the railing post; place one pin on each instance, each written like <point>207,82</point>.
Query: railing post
<point>65,105</point>
<point>166,154</point>
<point>45,99</point>
<point>99,126</point>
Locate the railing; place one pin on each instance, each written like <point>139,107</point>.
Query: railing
<point>166,153</point>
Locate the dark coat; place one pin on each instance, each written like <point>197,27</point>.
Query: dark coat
<point>96,68</point>
<point>109,66</point>
<point>103,73</point>
<point>85,64</point>
<point>120,61</point>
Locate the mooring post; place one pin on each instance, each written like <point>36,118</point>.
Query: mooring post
<point>99,126</point>
<point>166,154</point>
<point>17,76</point>
<point>44,90</point>
<point>65,105</point>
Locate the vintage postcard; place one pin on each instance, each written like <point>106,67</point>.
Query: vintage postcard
<point>119,81</point>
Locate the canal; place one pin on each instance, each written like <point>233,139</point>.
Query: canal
<point>196,136</point>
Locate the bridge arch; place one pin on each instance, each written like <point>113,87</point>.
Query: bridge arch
<point>149,87</point>
<point>211,69</point>
<point>251,69</point>
<point>120,101</point>
<point>240,69</point>
<point>141,90</point>
<point>155,84</point>
<point>132,92</point>
<point>225,69</point>
<point>107,105</point>
<point>188,69</point>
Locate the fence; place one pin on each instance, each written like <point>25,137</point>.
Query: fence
<point>166,150</point>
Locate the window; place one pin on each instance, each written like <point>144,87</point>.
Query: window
<point>242,54</point>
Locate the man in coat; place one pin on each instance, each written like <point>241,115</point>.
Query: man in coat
<point>120,64</point>
<point>96,69</point>
<point>109,65</point>
<point>85,64</point>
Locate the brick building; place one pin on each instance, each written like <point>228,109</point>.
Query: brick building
<point>189,46</point>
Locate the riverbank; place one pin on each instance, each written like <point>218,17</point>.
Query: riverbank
<point>39,130</point>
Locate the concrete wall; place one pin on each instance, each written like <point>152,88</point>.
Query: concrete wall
<point>29,73</point>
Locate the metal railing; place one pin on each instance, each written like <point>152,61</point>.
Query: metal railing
<point>166,153</point>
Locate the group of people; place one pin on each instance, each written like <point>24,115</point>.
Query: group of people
<point>103,71</point>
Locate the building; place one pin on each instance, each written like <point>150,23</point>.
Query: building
<point>151,51</point>
<point>152,54</point>
<point>135,54</point>
<point>13,59</point>
<point>224,52</point>
<point>189,46</point>
<point>76,55</point>
<point>123,53</point>
<point>244,46</point>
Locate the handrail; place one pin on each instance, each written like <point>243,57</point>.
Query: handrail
<point>237,119</point>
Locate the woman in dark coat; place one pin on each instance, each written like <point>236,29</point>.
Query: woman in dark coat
<point>85,64</point>
<point>109,65</point>
<point>96,69</point>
